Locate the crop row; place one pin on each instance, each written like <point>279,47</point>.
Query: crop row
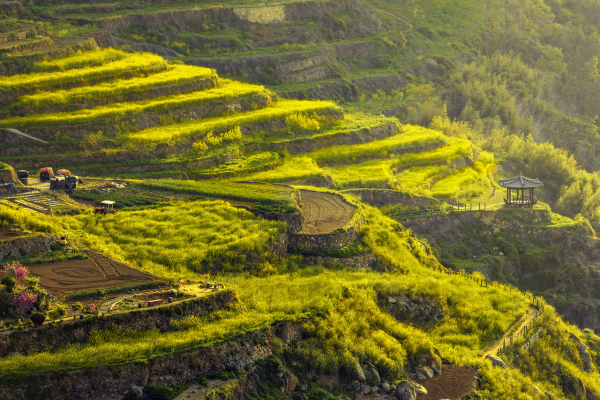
<point>184,130</point>
<point>253,193</point>
<point>178,75</point>
<point>414,136</point>
<point>228,90</point>
<point>80,59</point>
<point>131,65</point>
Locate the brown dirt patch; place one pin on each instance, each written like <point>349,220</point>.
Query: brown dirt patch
<point>324,212</point>
<point>95,272</point>
<point>5,234</point>
<point>454,383</point>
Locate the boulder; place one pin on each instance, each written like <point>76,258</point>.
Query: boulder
<point>135,392</point>
<point>406,391</point>
<point>587,359</point>
<point>436,364</point>
<point>385,388</point>
<point>427,372</point>
<point>590,396</point>
<point>360,375</point>
<point>419,388</point>
<point>496,361</point>
<point>291,382</point>
<point>537,390</point>
<point>374,374</point>
<point>366,389</point>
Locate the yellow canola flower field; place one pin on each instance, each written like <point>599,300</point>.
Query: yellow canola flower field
<point>228,90</point>
<point>80,59</point>
<point>181,131</point>
<point>178,75</point>
<point>135,63</point>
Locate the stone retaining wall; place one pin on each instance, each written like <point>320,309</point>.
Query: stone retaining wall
<point>79,331</point>
<point>26,246</point>
<point>295,221</point>
<point>363,261</point>
<point>326,241</point>
<point>175,369</point>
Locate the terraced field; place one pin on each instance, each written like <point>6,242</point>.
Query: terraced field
<point>324,212</point>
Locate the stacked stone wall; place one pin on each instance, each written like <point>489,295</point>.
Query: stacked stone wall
<point>79,331</point>
<point>26,246</point>
<point>175,369</point>
<point>340,237</point>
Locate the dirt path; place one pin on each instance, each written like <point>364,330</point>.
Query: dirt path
<point>324,212</point>
<point>454,383</point>
<point>493,350</point>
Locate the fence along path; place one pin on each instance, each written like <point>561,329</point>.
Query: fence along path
<point>431,211</point>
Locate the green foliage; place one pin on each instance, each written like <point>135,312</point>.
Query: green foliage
<point>38,319</point>
<point>177,75</point>
<point>10,283</point>
<point>80,59</point>
<point>257,195</point>
<point>13,215</point>
<point>298,123</point>
<point>213,231</point>
<point>226,92</point>
<point>131,65</point>
<point>164,392</point>
<point>121,199</point>
<point>82,294</point>
<point>43,258</point>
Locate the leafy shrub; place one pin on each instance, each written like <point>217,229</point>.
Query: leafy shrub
<point>298,123</point>
<point>38,319</point>
<point>10,283</point>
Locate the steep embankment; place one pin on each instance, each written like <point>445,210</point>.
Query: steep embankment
<point>536,250</point>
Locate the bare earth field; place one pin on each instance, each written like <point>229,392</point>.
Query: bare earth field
<point>6,234</point>
<point>454,383</point>
<point>324,212</point>
<point>95,272</point>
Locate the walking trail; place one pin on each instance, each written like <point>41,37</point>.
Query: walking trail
<point>493,350</point>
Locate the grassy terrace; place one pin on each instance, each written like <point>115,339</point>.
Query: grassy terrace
<point>197,231</point>
<point>264,196</point>
<point>456,148</point>
<point>279,110</point>
<point>414,136</point>
<point>374,173</point>
<point>157,8</point>
<point>228,90</point>
<point>132,65</point>
<point>87,59</point>
<point>178,75</point>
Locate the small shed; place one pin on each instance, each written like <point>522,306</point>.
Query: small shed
<point>519,190</point>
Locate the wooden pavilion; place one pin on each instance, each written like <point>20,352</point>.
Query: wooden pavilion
<point>519,191</point>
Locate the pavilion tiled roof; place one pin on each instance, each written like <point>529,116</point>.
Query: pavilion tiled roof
<point>520,182</point>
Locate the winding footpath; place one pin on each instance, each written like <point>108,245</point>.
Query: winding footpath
<point>493,350</point>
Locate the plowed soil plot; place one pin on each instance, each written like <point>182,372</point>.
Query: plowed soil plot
<point>454,383</point>
<point>6,234</point>
<point>95,272</point>
<point>324,212</point>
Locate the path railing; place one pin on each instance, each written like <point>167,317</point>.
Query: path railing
<point>431,211</point>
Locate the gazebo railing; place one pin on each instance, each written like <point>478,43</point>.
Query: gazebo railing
<point>521,201</point>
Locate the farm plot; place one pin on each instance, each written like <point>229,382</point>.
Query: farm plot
<point>324,212</point>
<point>6,234</point>
<point>94,272</point>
